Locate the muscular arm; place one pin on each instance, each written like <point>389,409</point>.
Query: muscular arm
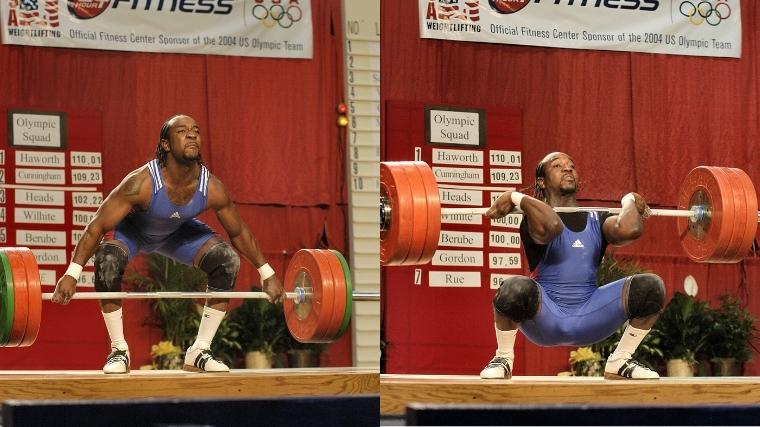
<point>624,228</point>
<point>240,236</point>
<point>133,191</point>
<point>543,223</point>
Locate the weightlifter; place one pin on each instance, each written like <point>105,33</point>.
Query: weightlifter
<point>153,209</point>
<point>560,303</point>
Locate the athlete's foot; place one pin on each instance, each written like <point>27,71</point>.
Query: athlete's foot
<point>499,368</point>
<point>117,362</point>
<point>201,360</point>
<point>625,368</point>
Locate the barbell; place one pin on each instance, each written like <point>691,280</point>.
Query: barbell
<point>317,309</point>
<point>717,213</point>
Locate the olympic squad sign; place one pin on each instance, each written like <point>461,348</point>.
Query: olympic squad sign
<point>678,27</point>
<point>271,28</point>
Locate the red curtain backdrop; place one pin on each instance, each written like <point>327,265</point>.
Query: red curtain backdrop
<point>269,133</point>
<point>632,121</point>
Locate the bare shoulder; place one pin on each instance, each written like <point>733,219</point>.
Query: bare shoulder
<point>218,197</point>
<point>136,185</point>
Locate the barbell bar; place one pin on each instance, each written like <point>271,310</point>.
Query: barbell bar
<point>317,282</point>
<point>717,213</point>
<point>297,296</point>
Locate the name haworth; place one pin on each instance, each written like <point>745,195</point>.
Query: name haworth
<point>30,158</point>
<point>444,156</point>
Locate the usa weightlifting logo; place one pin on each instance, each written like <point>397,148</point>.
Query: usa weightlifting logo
<point>508,6</point>
<point>87,9</point>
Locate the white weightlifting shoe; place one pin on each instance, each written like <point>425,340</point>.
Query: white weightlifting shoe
<point>201,360</point>
<point>499,368</point>
<point>625,368</point>
<point>117,362</point>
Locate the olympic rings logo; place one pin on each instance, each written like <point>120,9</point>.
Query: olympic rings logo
<point>277,14</point>
<point>704,11</point>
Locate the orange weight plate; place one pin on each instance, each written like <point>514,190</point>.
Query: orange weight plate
<point>328,296</point>
<point>20,298</point>
<point>745,215</point>
<point>433,231</point>
<point>35,297</point>
<point>704,239</point>
<point>396,228</point>
<point>307,273</point>
<point>339,304</point>
<point>419,210</point>
<point>731,205</point>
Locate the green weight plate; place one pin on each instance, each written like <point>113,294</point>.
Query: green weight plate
<point>6,299</point>
<point>349,295</point>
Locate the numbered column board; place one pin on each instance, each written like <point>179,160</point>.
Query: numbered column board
<point>51,180</point>
<point>475,155</point>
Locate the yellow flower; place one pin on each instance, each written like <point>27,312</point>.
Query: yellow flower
<point>583,354</point>
<point>164,348</point>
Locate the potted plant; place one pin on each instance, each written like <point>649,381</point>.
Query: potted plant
<point>682,330</point>
<point>180,318</point>
<point>302,355</point>
<point>261,326</point>
<point>729,342</point>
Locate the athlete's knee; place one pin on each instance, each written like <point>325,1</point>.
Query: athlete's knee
<point>646,295</point>
<point>517,298</point>
<point>110,262</point>
<point>221,264</point>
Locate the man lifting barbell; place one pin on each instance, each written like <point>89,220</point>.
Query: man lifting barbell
<point>153,210</point>
<point>561,304</point>
<point>717,221</point>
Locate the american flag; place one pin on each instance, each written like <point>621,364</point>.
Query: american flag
<point>468,10</point>
<point>30,14</point>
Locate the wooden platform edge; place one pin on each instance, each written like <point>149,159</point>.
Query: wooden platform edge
<point>183,385</point>
<point>396,391</point>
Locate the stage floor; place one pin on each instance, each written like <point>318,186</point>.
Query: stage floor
<point>396,391</point>
<point>238,383</point>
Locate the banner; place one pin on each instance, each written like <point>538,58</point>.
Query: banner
<point>678,27</point>
<point>269,28</point>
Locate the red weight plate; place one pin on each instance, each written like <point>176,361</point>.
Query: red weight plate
<point>703,240</point>
<point>745,215</point>
<point>328,296</point>
<point>731,207</point>
<point>339,289</point>
<point>432,234</point>
<point>420,215</point>
<point>306,321</point>
<point>20,298</point>
<point>395,239</point>
<point>35,297</point>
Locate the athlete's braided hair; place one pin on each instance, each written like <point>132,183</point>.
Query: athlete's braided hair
<point>538,192</point>
<point>164,134</point>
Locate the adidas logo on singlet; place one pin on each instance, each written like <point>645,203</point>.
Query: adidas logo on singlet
<point>578,244</point>
<point>174,215</point>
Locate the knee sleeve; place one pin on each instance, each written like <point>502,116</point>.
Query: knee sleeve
<point>646,295</point>
<point>110,261</point>
<point>517,298</point>
<point>221,264</point>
